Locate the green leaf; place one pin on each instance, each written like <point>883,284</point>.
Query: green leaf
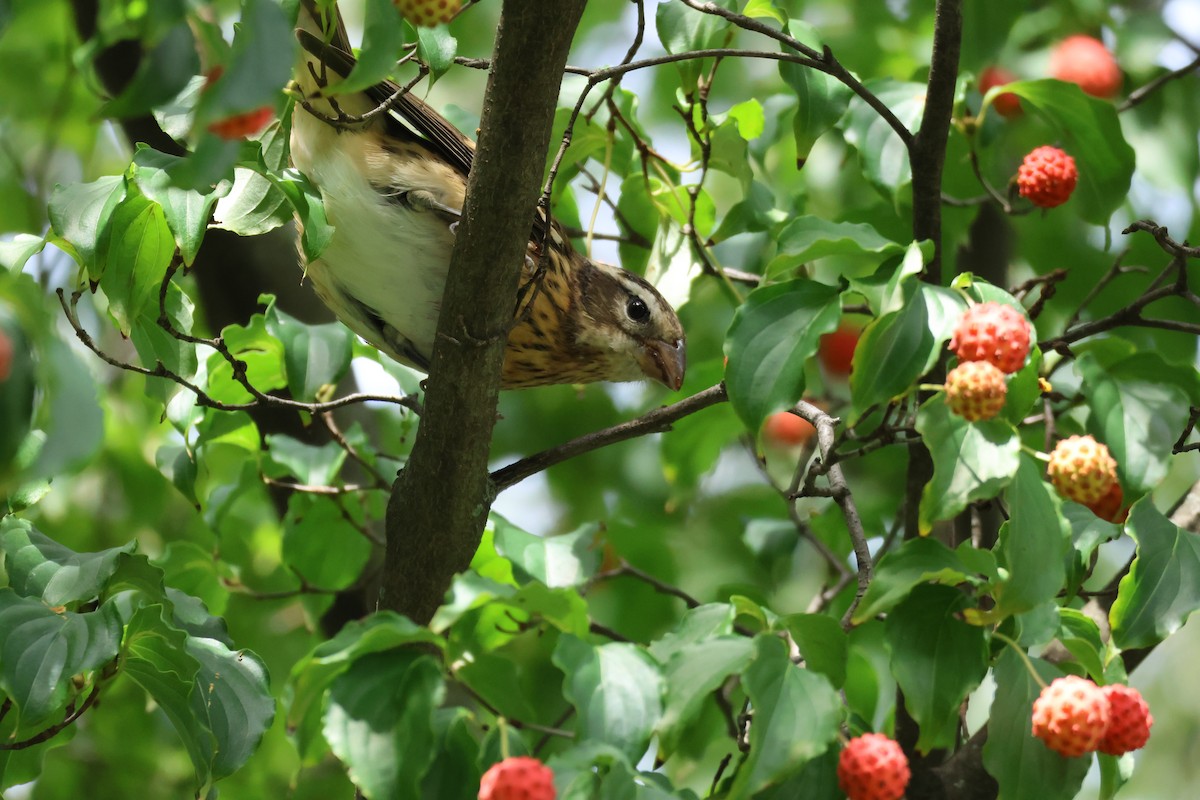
<point>562,561</point>
<point>1138,409</point>
<point>311,524</point>
<point>796,717</point>
<point>756,213</point>
<point>232,697</point>
<point>821,642</point>
<point>81,213</point>
<point>914,562</point>
<point>615,688</point>
<point>1089,130</point>
<point>187,211</point>
<point>1163,586</point>
<point>971,460</point>
<point>306,200</point>
<point>697,625</point>
<point>681,29</point>
<point>41,650</point>
<point>436,47</point>
<point>1088,532</point>
<point>766,9</point>
<point>772,335</point>
<point>380,722</point>
<point>316,356</point>
<point>821,99</point>
<point>1033,542</point>
<point>262,355</point>
<point>155,345</point>
<point>69,412</point>
<point>259,65</point>
<point>728,153</point>
<point>19,249</point>
<point>382,46</point>
<point>253,206</point>
<point>1080,634</point>
<point>748,115</point>
<point>692,674</point>
<point>870,689</point>
<point>312,675</point>
<point>140,249</point>
<point>809,238</point>
<point>41,568</point>
<point>882,154</point>
<point>886,289</point>
<point>1022,765</point>
<point>155,657</point>
<point>937,659</point>
<point>898,348</point>
<point>455,770</point>
<point>309,464</point>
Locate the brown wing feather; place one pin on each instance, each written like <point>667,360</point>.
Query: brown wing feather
<point>436,132</point>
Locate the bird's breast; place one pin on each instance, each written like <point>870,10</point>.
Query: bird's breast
<point>387,256</point>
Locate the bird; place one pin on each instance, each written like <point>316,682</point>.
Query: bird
<point>393,185</point>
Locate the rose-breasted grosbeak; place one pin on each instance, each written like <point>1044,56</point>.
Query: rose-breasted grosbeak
<point>393,185</point>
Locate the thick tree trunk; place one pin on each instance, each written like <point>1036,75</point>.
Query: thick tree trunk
<point>440,502</point>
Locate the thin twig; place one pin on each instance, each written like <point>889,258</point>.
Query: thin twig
<point>656,421</point>
<point>627,570</point>
<point>54,730</point>
<point>1140,95</point>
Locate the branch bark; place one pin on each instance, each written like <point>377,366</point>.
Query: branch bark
<point>440,502</point>
<point>927,155</point>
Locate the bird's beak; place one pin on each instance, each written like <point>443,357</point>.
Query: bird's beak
<point>665,362</point>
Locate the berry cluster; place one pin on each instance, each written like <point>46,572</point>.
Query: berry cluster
<point>1079,59</point>
<point>1074,716</point>
<point>1047,177</point>
<point>1086,61</point>
<point>975,390</point>
<point>991,340</point>
<point>428,13</point>
<point>872,767</point>
<point>236,126</point>
<point>517,778</point>
<point>1083,470</point>
<point>1006,104</point>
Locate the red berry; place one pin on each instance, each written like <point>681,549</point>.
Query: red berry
<point>1082,469</point>
<point>1129,720</point>
<point>517,778</point>
<point>6,356</point>
<point>1108,507</point>
<point>993,332</point>
<point>1071,716</point>
<point>239,126</point>
<point>975,390</point>
<point>428,13</point>
<point>785,429</point>
<point>836,349</point>
<point>1087,62</point>
<point>872,767</point>
<point>1006,104</point>
<point>1047,177</point>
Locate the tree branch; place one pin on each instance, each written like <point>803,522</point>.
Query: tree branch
<point>440,502</point>
<point>656,421</point>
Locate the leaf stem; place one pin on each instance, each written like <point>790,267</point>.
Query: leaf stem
<point>1024,657</point>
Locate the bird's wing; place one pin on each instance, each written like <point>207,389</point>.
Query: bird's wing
<point>415,115</point>
<point>439,135</point>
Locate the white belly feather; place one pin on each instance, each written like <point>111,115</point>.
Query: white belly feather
<point>384,255</point>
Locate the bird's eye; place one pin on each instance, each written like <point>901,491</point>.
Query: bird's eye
<point>637,309</point>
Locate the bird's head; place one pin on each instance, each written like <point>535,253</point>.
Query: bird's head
<point>632,324</point>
